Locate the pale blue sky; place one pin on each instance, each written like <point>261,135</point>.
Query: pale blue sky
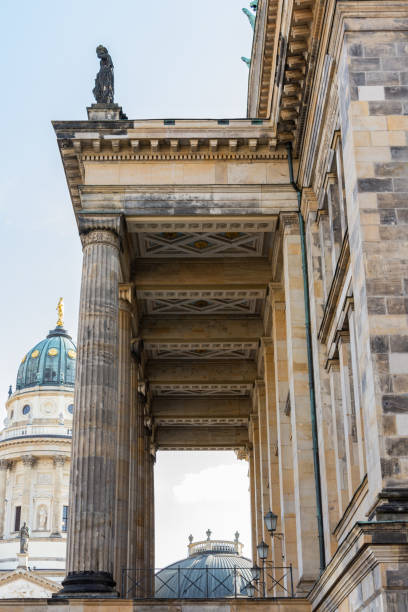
<point>178,58</point>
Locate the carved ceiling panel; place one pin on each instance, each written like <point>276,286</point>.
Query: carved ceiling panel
<point>202,350</point>
<point>199,390</point>
<point>180,244</point>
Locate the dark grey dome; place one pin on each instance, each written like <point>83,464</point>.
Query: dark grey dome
<point>214,568</point>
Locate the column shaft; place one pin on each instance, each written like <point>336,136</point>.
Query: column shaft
<point>28,462</point>
<point>56,520</point>
<point>4,465</point>
<point>93,466</point>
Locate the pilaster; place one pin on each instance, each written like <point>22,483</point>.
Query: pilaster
<point>302,445</point>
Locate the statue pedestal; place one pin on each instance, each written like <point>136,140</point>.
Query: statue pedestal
<point>105,112</point>
<point>22,561</point>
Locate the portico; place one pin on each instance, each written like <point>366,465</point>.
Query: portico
<point>185,230</point>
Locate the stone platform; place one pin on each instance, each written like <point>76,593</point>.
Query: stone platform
<point>163,605</point>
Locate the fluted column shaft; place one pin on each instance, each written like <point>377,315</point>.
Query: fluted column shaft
<point>59,462</point>
<point>93,466</point>
<point>123,433</point>
<point>4,465</point>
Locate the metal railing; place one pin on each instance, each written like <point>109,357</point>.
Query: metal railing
<point>207,582</point>
<point>35,430</point>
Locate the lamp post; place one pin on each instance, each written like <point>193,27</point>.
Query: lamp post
<point>262,549</point>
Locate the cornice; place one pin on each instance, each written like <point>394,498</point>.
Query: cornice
<point>263,58</point>
<point>367,545</point>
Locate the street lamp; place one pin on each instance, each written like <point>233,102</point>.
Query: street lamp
<point>262,549</point>
<point>271,520</point>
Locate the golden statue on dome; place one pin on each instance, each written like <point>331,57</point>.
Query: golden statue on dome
<point>60,310</point>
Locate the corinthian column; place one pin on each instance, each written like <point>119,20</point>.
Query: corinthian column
<point>28,462</point>
<point>93,466</point>
<point>123,434</point>
<point>4,465</point>
<point>59,461</point>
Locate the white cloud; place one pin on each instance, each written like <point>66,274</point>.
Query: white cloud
<point>214,484</point>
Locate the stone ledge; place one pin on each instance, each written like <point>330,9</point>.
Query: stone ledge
<point>161,605</point>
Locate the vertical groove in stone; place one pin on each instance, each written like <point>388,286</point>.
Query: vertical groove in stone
<point>92,484</point>
<point>122,507</point>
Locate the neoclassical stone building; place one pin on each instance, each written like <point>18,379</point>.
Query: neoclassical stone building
<point>35,449</point>
<point>245,286</point>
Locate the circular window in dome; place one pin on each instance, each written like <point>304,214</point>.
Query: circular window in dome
<point>24,358</point>
<point>52,352</point>
<point>26,409</point>
<point>70,408</point>
<point>72,354</point>
<point>35,353</point>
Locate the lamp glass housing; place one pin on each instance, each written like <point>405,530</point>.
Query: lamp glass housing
<point>271,521</point>
<point>256,572</point>
<point>262,549</point>
<point>250,589</point>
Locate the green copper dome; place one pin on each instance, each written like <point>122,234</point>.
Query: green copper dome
<point>50,362</point>
<point>214,568</point>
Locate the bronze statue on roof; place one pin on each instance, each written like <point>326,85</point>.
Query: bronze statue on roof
<point>104,90</point>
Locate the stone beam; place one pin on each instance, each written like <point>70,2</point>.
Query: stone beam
<point>196,329</point>
<point>255,273</point>
<point>175,409</point>
<point>197,438</point>
<point>160,372</point>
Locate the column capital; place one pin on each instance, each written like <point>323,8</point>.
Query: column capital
<point>289,222</point>
<point>242,453</point>
<point>59,460</point>
<point>267,343</point>
<point>28,460</point>
<point>259,385</point>
<point>309,202</point>
<point>332,365</point>
<point>126,297</point>
<point>107,230</point>
<point>5,464</point>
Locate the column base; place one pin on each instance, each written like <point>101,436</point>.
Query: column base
<point>88,584</point>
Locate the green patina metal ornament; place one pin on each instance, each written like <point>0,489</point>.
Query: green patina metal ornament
<point>251,17</point>
<point>246,60</point>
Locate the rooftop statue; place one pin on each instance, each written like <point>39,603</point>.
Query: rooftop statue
<point>104,90</point>
<point>254,5</point>
<point>60,310</point>
<point>247,60</point>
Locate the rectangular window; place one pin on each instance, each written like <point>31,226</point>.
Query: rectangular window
<point>64,518</point>
<point>17,519</point>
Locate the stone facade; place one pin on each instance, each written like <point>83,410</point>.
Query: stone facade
<point>35,451</point>
<point>245,286</point>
